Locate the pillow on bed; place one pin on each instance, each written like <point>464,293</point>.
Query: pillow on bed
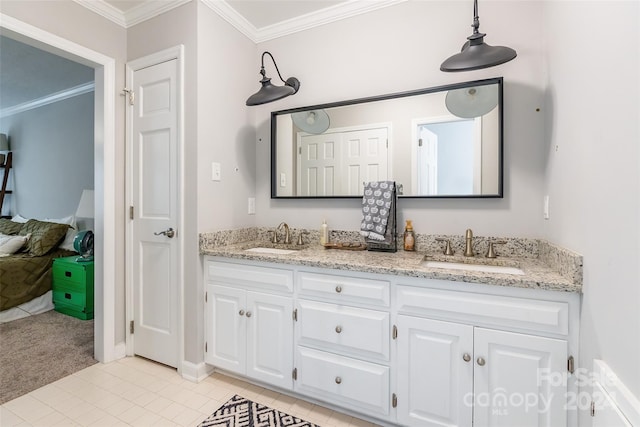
<point>67,243</point>
<point>9,227</point>
<point>9,245</point>
<point>44,235</point>
<point>19,218</point>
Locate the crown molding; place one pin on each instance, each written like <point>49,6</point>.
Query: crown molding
<point>304,22</point>
<point>133,16</point>
<point>150,9</point>
<point>49,99</point>
<point>321,17</point>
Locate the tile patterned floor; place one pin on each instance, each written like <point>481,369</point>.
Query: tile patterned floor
<point>136,392</point>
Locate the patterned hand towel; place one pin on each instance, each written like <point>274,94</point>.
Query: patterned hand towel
<point>377,203</point>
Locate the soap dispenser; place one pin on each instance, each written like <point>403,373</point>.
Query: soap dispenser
<point>324,233</point>
<point>409,237</point>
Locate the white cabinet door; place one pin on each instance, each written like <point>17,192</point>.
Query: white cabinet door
<point>434,379</point>
<point>511,380</point>
<point>226,341</point>
<point>270,338</point>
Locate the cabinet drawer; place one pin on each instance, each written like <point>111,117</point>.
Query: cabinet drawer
<point>249,276</point>
<point>70,297</point>
<point>343,381</point>
<point>70,273</point>
<point>482,309</point>
<point>344,289</point>
<point>354,331</point>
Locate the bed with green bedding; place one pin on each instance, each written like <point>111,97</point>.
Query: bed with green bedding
<point>27,274</point>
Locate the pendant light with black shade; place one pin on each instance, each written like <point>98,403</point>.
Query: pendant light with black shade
<point>269,92</point>
<point>476,54</point>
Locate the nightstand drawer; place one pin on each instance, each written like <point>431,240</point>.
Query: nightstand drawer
<point>70,273</point>
<point>70,297</point>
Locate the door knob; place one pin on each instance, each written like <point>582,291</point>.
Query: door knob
<point>169,232</point>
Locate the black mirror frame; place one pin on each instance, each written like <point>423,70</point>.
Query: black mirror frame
<point>495,80</point>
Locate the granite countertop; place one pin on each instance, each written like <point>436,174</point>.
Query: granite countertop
<point>539,273</point>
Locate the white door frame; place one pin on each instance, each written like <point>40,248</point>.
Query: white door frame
<point>169,54</point>
<point>105,347</point>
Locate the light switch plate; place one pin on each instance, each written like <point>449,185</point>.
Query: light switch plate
<point>546,207</point>
<point>216,173</point>
<point>251,206</point>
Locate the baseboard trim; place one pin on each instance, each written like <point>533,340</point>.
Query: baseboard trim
<point>195,372</point>
<point>627,403</point>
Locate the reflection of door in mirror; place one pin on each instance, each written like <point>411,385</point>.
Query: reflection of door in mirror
<point>448,157</point>
<point>339,161</point>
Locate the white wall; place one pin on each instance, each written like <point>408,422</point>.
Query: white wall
<point>401,48</point>
<point>593,169</point>
<point>52,157</point>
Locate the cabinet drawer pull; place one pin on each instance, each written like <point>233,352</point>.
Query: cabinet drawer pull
<point>248,314</point>
<point>67,296</point>
<point>481,361</point>
<point>338,380</point>
<point>338,289</point>
<point>338,329</point>
<point>241,312</point>
<point>466,357</point>
<point>67,274</point>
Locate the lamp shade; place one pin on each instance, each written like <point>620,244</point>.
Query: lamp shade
<point>470,102</point>
<point>314,121</point>
<point>4,142</point>
<point>476,54</point>
<point>269,92</point>
<point>85,207</point>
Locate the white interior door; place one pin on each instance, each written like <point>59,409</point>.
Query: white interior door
<point>154,183</point>
<point>363,158</point>
<point>337,162</point>
<point>318,164</point>
<point>427,162</point>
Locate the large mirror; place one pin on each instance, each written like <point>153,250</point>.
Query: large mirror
<point>440,142</point>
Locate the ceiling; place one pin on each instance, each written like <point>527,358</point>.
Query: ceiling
<point>29,74</point>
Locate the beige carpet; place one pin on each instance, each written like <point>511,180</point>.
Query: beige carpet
<point>41,349</point>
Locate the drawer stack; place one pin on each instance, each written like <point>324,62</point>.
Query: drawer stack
<point>343,341</point>
<point>73,287</point>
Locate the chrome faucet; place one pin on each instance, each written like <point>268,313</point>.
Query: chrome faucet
<point>287,234</point>
<point>468,249</point>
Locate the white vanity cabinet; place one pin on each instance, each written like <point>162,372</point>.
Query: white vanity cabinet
<point>457,373</point>
<point>249,324</point>
<point>343,341</point>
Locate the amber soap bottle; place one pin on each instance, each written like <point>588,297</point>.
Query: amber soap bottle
<point>409,237</point>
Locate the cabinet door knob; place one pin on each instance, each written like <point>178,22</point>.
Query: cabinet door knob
<point>338,329</point>
<point>248,314</point>
<point>338,289</point>
<point>338,380</point>
<point>241,312</point>
<point>466,357</point>
<point>481,361</point>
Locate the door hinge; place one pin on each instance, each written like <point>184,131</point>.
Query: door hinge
<point>394,334</point>
<point>394,400</point>
<point>420,142</point>
<point>570,365</point>
<point>132,95</point>
<point>593,409</point>
<point>131,327</point>
<point>206,297</point>
<point>294,374</point>
<point>299,150</point>
<point>295,314</point>
<point>205,347</point>
<point>130,212</point>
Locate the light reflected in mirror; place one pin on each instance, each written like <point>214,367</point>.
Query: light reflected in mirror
<point>437,142</point>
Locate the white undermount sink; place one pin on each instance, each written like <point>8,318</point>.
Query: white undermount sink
<point>276,251</point>
<point>473,267</point>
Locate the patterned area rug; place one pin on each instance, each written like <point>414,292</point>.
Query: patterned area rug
<point>241,412</point>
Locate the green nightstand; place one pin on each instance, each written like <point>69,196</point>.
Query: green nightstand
<point>73,287</point>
